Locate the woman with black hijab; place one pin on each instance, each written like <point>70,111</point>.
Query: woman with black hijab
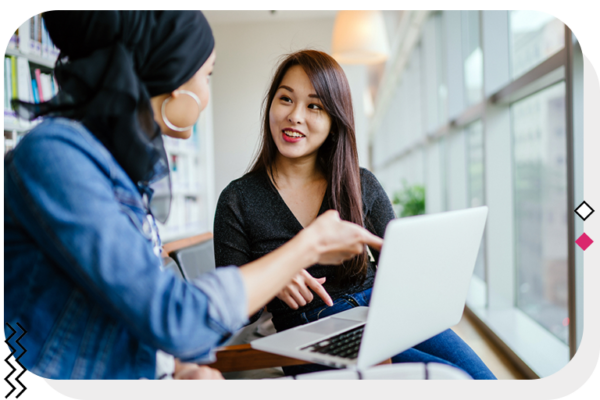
<point>82,253</point>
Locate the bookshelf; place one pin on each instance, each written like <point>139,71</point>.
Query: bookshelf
<point>43,61</point>
<point>190,160</point>
<point>34,54</point>
<point>191,165</point>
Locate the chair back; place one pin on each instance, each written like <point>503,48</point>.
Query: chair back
<point>169,263</point>
<point>194,255</point>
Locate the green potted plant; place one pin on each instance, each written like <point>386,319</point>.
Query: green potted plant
<point>409,201</point>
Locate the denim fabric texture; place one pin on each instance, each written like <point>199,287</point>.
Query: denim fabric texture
<point>80,272</point>
<point>445,348</point>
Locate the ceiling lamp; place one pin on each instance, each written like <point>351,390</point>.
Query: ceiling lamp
<point>359,37</point>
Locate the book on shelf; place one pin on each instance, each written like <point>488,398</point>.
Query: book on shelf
<point>178,172</point>
<point>32,38</point>
<point>38,82</point>
<point>24,90</point>
<point>14,39</point>
<point>186,213</point>
<point>185,173</point>
<point>195,139</point>
<point>7,84</point>
<point>48,49</point>
<point>33,28</point>
<point>13,70</point>
<point>23,83</point>
<point>10,89</point>
<point>24,33</point>
<point>35,91</point>
<point>47,86</point>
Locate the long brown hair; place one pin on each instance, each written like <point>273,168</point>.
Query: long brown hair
<point>337,157</point>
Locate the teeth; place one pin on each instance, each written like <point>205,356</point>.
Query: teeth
<point>293,134</point>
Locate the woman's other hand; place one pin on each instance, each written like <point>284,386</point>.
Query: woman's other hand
<point>188,371</point>
<point>297,293</point>
<point>336,240</point>
<point>327,241</point>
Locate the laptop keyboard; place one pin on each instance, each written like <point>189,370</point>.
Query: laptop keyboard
<point>345,344</point>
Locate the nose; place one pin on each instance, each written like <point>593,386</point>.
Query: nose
<point>296,115</point>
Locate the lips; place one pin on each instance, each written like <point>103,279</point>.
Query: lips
<point>292,135</point>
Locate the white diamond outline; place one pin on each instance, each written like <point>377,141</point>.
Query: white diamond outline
<point>588,206</point>
<point>582,214</point>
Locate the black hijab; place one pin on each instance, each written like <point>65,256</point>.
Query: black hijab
<point>110,64</point>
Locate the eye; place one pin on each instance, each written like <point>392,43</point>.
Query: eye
<point>314,106</point>
<point>285,98</point>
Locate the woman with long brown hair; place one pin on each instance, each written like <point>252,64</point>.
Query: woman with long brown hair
<point>307,164</point>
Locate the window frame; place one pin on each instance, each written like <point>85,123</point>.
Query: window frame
<point>493,302</point>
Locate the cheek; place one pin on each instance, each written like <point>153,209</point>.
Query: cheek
<point>274,118</point>
<point>321,124</point>
<point>204,90</point>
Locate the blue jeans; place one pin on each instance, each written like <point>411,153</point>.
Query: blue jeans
<point>444,348</point>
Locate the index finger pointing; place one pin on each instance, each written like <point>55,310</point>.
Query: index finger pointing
<point>319,290</point>
<point>373,241</point>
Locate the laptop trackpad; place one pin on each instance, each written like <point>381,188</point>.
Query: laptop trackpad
<point>329,325</point>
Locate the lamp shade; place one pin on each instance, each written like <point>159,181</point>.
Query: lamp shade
<point>359,37</point>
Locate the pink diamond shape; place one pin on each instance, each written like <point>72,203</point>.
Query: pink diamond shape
<point>584,242</point>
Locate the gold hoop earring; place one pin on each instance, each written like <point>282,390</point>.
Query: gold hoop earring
<point>169,123</point>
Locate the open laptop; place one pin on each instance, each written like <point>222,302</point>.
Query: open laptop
<point>420,289</point>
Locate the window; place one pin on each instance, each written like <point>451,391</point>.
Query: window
<point>534,36</point>
<point>540,204</point>
<point>472,57</point>
<point>490,138</point>
<point>434,78</point>
<point>475,181</point>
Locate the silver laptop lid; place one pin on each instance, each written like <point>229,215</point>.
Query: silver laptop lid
<point>422,280</point>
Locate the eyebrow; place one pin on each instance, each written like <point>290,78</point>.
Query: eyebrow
<point>316,96</point>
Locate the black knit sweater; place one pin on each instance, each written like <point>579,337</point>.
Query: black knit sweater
<point>252,220</point>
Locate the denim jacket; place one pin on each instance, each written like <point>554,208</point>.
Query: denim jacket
<point>80,273</point>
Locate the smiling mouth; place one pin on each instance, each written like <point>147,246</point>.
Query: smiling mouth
<point>293,134</point>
